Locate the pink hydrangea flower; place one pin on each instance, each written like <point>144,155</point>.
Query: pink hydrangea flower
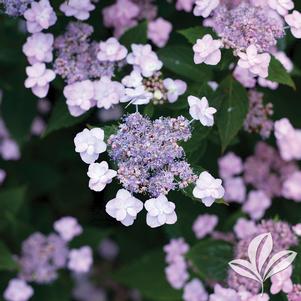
<point>260,297</point>
<point>176,274</point>
<point>2,176</point>
<point>205,7</point>
<point>175,88</point>
<point>67,227</point>
<point>256,205</point>
<point>195,291</point>
<point>107,92</point>
<point>185,5</point>
<point>144,59</point>
<point>281,6</point>
<point>282,282</point>
<point>38,48</point>
<point>38,79</point>
<point>244,228</point>
<point>40,16</point>
<point>38,126</point>
<point>284,60</point>
<point>121,15</point>
<point>158,31</point>
<point>263,82</point>
<point>108,249</point>
<point>80,260</point>
<point>292,187</point>
<point>199,110</point>
<point>80,97</point>
<point>100,175</point>
<point>294,21</point>
<point>235,190</point>
<point>80,9</point>
<point>207,50</point>
<point>223,294</point>
<point>230,165</point>
<point>256,63</point>
<point>18,290</point>
<point>175,250</point>
<point>204,225</point>
<point>111,50</point>
<point>245,77</point>
<point>297,229</point>
<point>9,149</point>
<point>288,140</point>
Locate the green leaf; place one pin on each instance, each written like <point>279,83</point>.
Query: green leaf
<point>179,59</point>
<point>194,33</point>
<point>7,263</point>
<point>18,110</point>
<point>137,35</point>
<point>11,200</point>
<point>278,74</point>
<point>91,236</point>
<point>233,110</point>
<point>110,130</point>
<point>210,258</point>
<point>60,118</point>
<point>147,275</point>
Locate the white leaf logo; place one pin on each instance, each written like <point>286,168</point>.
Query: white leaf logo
<point>260,267</point>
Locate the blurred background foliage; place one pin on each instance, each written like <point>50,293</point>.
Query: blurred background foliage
<point>49,181</point>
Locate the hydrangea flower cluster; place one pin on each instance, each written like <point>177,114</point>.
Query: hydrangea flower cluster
<point>42,256</point>
<point>251,28</point>
<point>39,46</point>
<point>15,7</point>
<point>9,149</point>
<point>149,161</point>
<point>238,288</point>
<point>148,156</point>
<point>268,175</point>
<point>258,118</point>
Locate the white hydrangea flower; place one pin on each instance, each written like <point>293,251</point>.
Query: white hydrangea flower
<point>90,143</point>
<point>124,208</point>
<point>79,97</point>
<point>205,7</point>
<point>68,227</point>
<point>207,50</point>
<point>175,88</point>
<point>100,175</point>
<point>80,9</point>
<point>160,211</point>
<point>144,59</point>
<point>133,80</point>
<point>199,110</point>
<point>281,6</point>
<point>107,92</point>
<point>18,290</point>
<point>208,189</point>
<point>80,260</point>
<point>111,50</point>
<point>294,21</point>
<point>256,63</point>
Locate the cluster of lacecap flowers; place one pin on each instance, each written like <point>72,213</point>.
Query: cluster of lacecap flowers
<point>236,288</point>
<point>269,173</point>
<point>251,28</point>
<point>42,256</point>
<point>149,161</point>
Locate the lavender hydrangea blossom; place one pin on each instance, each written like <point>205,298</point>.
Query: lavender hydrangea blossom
<point>148,156</point>
<point>15,7</point>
